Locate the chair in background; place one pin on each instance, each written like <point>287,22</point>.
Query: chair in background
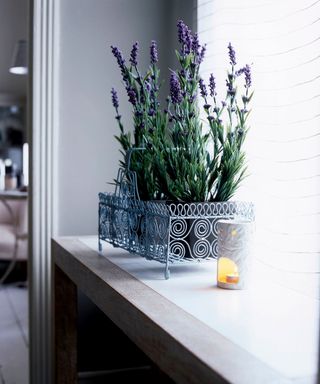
<point>13,229</point>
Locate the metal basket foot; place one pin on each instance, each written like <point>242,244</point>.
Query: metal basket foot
<point>100,246</point>
<point>167,272</point>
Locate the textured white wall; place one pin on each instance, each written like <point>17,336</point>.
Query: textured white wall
<point>88,153</point>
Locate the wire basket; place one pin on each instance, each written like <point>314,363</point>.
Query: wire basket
<point>163,231</point>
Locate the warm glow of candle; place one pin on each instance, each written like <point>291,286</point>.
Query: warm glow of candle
<point>232,278</point>
<point>227,271</point>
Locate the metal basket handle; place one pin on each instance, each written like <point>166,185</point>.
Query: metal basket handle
<point>127,185</point>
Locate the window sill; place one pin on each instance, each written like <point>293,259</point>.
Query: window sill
<point>277,325</point>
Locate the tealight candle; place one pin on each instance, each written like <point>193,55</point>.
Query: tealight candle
<point>232,278</point>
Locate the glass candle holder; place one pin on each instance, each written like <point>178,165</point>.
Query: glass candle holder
<point>234,253</point>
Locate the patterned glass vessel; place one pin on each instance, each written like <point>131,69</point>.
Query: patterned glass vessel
<point>234,253</point>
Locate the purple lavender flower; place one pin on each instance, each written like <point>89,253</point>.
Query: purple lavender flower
<point>202,53</point>
<point>185,37</point>
<point>232,55</point>
<point>195,44</point>
<point>199,54</point>
<point>230,90</point>
<point>189,41</point>
<point>134,54</point>
<point>175,89</point>
<point>114,98</point>
<point>246,70</point>
<point>203,89</point>
<point>231,77</point>
<point>118,55</point>
<point>148,85</point>
<point>240,72</point>
<point>244,99</point>
<point>212,86</point>
<point>247,75</point>
<point>153,52</point>
<point>182,31</point>
<point>132,96</point>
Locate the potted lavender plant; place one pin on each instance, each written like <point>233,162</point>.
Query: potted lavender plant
<point>174,160</point>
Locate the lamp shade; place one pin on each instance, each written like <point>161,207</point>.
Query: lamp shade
<point>19,59</point>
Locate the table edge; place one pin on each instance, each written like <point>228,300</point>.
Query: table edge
<point>229,362</point>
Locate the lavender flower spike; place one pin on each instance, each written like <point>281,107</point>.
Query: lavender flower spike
<point>134,54</point>
<point>132,96</point>
<point>118,55</point>
<point>185,37</point>
<point>202,53</point>
<point>212,86</point>
<point>232,55</point>
<point>114,98</point>
<point>203,89</point>
<point>182,32</point>
<point>189,41</point>
<point>195,44</point>
<point>153,52</point>
<point>247,76</point>
<point>175,89</point>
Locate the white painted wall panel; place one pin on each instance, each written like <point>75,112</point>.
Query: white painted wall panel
<point>88,154</point>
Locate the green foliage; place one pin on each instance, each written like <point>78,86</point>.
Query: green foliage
<point>172,157</point>
<point>181,165</point>
<point>228,128</point>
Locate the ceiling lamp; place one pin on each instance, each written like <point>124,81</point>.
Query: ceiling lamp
<point>19,59</point>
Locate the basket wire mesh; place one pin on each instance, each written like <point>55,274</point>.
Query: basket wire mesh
<point>163,231</point>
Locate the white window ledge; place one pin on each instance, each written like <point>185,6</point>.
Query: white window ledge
<point>278,325</point>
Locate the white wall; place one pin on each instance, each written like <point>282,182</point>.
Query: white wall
<point>88,154</point>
